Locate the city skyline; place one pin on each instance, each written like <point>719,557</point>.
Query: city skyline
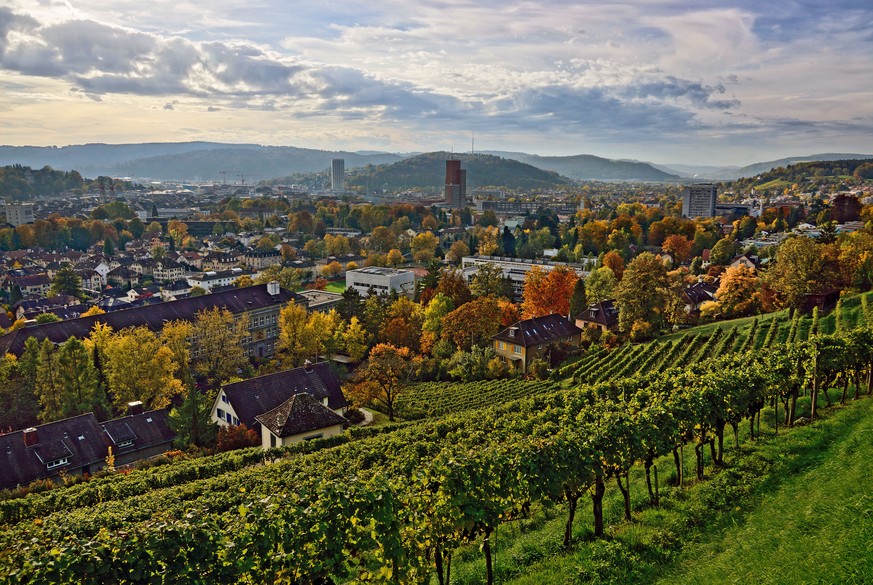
<point>667,82</point>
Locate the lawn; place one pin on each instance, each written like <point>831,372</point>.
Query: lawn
<point>336,286</point>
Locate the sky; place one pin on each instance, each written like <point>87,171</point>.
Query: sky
<point>665,81</point>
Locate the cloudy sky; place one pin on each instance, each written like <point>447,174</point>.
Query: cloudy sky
<point>668,81</point>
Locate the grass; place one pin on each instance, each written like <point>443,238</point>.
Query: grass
<point>336,286</point>
<point>794,508</point>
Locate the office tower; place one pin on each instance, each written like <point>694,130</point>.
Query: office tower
<point>698,200</point>
<point>338,174</point>
<point>456,185</point>
<point>19,213</point>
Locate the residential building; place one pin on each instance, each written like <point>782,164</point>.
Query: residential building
<point>216,279</point>
<point>698,293</point>
<point>19,213</point>
<point>699,200</point>
<point>300,418</point>
<point>456,185</point>
<point>321,300</point>
<point>80,445</point>
<point>260,259</point>
<point>525,341</point>
<point>380,280</point>
<point>338,175</point>
<point>243,402</point>
<point>602,315</point>
<point>515,269</point>
<point>260,304</point>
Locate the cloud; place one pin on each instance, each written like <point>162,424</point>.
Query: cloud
<point>169,106</point>
<point>213,109</point>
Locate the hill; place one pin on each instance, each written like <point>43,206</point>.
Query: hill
<point>587,167</point>
<point>186,160</point>
<point>805,172</point>
<point>428,171</point>
<point>730,173</point>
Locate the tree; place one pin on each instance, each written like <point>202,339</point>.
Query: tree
<point>548,292</point>
<point>294,346</point>
<point>232,437</point>
<point>394,257</point>
<point>642,293</point>
<point>243,281</point>
<point>355,340</point>
<point>679,246</point>
<point>382,239</point>
<point>384,377</point>
<point>48,387</point>
<point>457,251</point>
<point>192,422</point>
<point>800,270</point>
<point>92,311</point>
<point>489,280</point>
<point>80,382</point>
<point>332,269</point>
<point>351,304</point>
<point>18,405</point>
<point>600,285</point>
<point>453,285</point>
<point>139,367</point>
<point>614,261</point>
<point>47,318</point>
<point>424,247</point>
<point>578,300</point>
<point>722,252</point>
<point>473,323</point>
<point>738,293</point>
<point>175,335</point>
<point>197,291</point>
<point>288,278</point>
<point>67,282</point>
<point>219,338</point>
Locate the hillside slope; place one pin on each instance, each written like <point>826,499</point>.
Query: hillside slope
<point>587,167</point>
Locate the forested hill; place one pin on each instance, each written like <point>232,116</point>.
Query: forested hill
<point>19,183</point>
<point>812,171</point>
<point>428,171</point>
<point>587,167</point>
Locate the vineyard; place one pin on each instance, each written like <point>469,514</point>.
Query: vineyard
<point>394,506</point>
<point>717,341</point>
<point>433,399</point>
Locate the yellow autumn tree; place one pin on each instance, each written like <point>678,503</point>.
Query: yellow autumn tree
<point>139,367</point>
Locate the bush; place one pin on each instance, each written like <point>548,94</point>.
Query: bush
<point>236,437</point>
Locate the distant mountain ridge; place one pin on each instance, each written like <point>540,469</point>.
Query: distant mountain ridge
<point>186,160</point>
<point>587,167</point>
<point>733,173</point>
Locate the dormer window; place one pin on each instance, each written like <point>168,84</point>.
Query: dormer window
<point>124,444</point>
<point>57,463</point>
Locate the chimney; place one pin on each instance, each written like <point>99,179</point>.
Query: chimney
<point>134,408</point>
<point>273,288</point>
<point>307,366</point>
<point>30,437</point>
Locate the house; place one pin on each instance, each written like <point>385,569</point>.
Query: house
<point>531,339</point>
<point>381,281</point>
<point>698,293</point>
<point>747,260</point>
<point>602,315</point>
<point>80,445</point>
<point>260,259</point>
<point>300,418</point>
<point>242,402</point>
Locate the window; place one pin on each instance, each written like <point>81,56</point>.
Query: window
<point>311,437</point>
<point>228,417</point>
<point>236,421</point>
<point>224,399</point>
<point>124,444</point>
<point>516,349</point>
<point>501,345</point>
<point>272,440</point>
<point>57,463</point>
<point>220,413</point>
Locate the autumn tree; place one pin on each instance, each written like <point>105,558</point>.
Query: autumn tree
<point>453,285</point>
<point>355,340</point>
<point>678,246</point>
<point>384,377</point>
<point>218,344</point>
<point>548,292</point>
<point>434,314</point>
<point>641,294</point>
<point>394,257</point>
<point>473,323</point>
<point>176,335</point>
<point>457,251</point>
<point>288,278</point>
<point>738,293</point>
<point>402,324</point>
<point>614,261</point>
<point>800,270</point>
<point>294,346</point>
<point>92,311</point>
<point>382,239</point>
<point>139,367</point>
<point>423,247</point>
<point>489,241</point>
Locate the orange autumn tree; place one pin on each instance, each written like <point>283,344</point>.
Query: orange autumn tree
<point>472,323</point>
<point>548,292</point>
<point>384,377</point>
<point>679,246</point>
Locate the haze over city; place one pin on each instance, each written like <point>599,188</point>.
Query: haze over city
<point>682,82</point>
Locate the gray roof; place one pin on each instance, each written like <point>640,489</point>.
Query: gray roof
<point>539,330</point>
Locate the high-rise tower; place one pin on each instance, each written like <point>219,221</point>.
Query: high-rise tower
<point>699,200</point>
<point>456,185</point>
<point>338,174</point>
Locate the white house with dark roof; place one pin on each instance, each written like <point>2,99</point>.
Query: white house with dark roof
<point>300,418</point>
<point>245,402</point>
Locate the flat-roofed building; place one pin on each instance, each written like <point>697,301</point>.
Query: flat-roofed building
<point>380,280</point>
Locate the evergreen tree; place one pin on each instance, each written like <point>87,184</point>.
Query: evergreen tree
<point>48,386</point>
<point>66,281</point>
<point>191,421</point>
<point>578,300</point>
<point>79,381</point>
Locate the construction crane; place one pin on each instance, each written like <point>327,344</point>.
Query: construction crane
<point>242,180</point>
<point>223,177</point>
